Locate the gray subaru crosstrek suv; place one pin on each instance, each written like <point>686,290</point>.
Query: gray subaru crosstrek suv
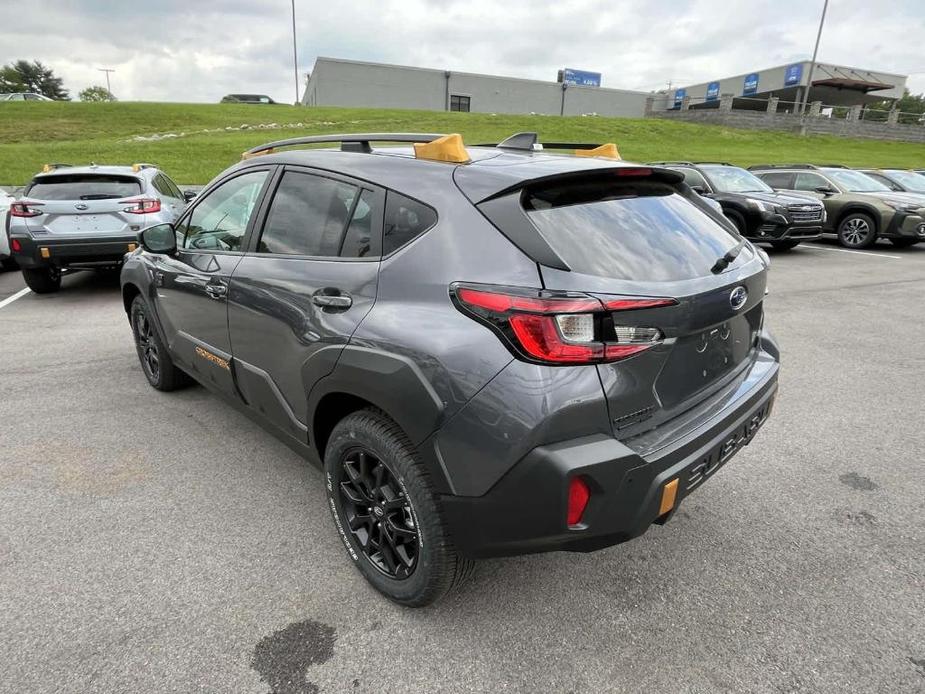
<point>489,352</point>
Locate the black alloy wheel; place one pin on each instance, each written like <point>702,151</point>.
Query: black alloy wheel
<point>378,514</point>
<point>147,346</point>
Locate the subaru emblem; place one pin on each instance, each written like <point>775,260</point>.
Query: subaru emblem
<point>738,297</point>
<point>81,206</point>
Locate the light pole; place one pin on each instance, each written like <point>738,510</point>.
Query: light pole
<point>295,56</point>
<point>812,65</point>
<point>107,70</point>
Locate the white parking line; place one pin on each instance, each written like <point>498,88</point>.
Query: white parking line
<point>847,250</point>
<point>18,295</point>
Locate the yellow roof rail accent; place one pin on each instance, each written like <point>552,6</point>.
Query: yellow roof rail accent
<point>250,155</point>
<point>608,151</point>
<point>447,148</point>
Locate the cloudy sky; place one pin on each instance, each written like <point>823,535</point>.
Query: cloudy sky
<point>170,50</point>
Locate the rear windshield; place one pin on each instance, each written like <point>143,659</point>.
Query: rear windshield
<point>83,187</point>
<point>631,231</point>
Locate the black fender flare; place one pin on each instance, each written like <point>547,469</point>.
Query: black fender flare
<point>390,382</point>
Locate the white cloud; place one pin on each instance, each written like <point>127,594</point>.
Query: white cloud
<point>177,51</point>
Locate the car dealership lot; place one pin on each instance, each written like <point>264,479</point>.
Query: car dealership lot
<point>163,542</point>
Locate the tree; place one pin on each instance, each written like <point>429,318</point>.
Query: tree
<point>97,93</point>
<point>23,76</point>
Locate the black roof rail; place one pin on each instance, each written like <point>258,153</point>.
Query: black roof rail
<point>832,166</point>
<point>715,163</point>
<point>782,166</point>
<point>351,142</point>
<point>529,142</point>
<point>669,163</point>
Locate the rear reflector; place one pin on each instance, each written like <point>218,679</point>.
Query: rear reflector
<point>16,245</point>
<point>578,495</point>
<point>669,495</point>
<point>45,252</point>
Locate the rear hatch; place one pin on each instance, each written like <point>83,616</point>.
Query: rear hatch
<point>633,236</point>
<point>84,204</point>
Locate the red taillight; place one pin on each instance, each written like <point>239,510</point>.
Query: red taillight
<point>15,245</point>
<point>25,209</point>
<point>560,328</point>
<point>578,496</point>
<point>141,205</point>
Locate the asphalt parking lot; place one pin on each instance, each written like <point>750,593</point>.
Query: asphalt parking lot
<point>155,542</point>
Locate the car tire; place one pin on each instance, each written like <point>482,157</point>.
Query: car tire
<point>904,243</point>
<point>738,220</point>
<point>45,280</point>
<point>857,230</point>
<point>785,245</point>
<point>156,363</point>
<point>387,513</point>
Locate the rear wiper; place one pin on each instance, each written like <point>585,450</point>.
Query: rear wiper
<point>727,259</point>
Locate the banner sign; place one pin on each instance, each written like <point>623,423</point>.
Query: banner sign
<point>679,95</point>
<point>713,91</point>
<point>581,78</point>
<point>793,75</point>
<point>751,84</point>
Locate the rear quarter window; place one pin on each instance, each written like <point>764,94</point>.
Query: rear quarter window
<point>633,230</point>
<point>83,187</point>
<point>405,220</point>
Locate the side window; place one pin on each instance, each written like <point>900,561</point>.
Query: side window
<point>693,178</point>
<point>220,219</point>
<point>405,220</point>
<point>778,180</point>
<point>159,186</point>
<point>809,181</point>
<point>359,241</point>
<point>173,188</point>
<point>308,216</point>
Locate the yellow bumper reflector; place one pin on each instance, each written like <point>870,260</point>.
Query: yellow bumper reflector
<point>669,495</point>
<point>45,252</point>
<point>250,155</point>
<point>447,148</point>
<point>608,151</point>
<point>132,247</point>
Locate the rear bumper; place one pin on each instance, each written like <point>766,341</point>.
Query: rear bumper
<point>525,511</point>
<point>76,252</point>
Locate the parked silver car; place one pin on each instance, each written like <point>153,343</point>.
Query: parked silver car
<point>87,218</point>
<point>6,262</point>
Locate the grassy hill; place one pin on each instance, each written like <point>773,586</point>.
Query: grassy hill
<point>203,139</point>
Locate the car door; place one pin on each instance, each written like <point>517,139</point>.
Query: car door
<point>296,298</point>
<point>192,286</point>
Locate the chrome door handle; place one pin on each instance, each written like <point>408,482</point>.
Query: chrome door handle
<point>216,291</point>
<point>332,300</point>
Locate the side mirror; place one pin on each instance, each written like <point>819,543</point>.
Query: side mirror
<point>160,238</point>
<point>825,190</point>
<point>189,195</point>
<point>700,190</point>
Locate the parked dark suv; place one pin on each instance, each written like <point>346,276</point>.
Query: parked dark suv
<point>759,213</point>
<point>489,352</point>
